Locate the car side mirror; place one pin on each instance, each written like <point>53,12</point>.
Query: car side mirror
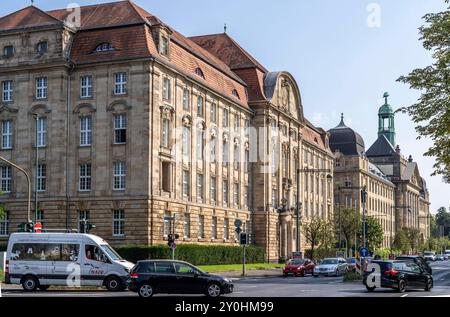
<point>196,274</point>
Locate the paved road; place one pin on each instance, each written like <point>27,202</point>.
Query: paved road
<point>281,287</point>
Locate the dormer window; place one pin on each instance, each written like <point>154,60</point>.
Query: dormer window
<point>104,47</point>
<point>199,72</point>
<point>8,51</point>
<point>42,47</point>
<point>164,49</point>
<point>235,93</point>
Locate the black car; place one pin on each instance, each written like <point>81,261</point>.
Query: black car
<point>399,275</point>
<point>418,260</point>
<point>175,277</point>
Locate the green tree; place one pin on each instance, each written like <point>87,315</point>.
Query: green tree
<point>374,233</point>
<point>347,221</point>
<point>413,235</point>
<point>431,113</point>
<point>401,241</point>
<point>443,221</point>
<point>314,233</point>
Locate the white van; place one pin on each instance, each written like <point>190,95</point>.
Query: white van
<point>38,260</point>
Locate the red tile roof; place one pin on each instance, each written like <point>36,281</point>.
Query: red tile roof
<point>228,50</point>
<point>26,18</point>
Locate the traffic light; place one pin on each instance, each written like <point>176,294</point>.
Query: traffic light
<point>89,227</point>
<point>26,227</point>
<point>243,238</point>
<point>170,240</point>
<point>85,226</point>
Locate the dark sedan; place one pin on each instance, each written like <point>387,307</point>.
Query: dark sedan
<point>175,277</point>
<point>299,267</point>
<point>398,275</point>
<point>418,260</point>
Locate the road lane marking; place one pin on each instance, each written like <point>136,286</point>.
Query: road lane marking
<point>404,295</point>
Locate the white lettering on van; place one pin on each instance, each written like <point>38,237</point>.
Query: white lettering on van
<point>74,278</point>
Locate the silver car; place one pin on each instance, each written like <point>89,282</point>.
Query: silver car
<point>331,267</point>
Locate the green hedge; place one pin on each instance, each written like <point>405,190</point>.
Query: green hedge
<point>192,253</point>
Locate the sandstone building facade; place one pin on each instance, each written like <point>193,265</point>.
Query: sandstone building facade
<point>121,120</point>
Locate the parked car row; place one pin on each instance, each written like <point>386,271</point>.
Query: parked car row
<point>38,261</point>
<point>327,266</point>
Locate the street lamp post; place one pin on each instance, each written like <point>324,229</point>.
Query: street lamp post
<point>363,201</point>
<point>37,170</point>
<point>28,181</point>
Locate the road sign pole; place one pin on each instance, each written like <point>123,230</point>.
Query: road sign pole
<point>243,261</point>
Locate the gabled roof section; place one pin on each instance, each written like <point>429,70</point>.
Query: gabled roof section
<point>381,147</point>
<point>228,50</point>
<point>26,18</point>
<point>107,15</point>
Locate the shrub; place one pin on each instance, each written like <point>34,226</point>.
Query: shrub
<point>352,276</point>
<point>193,253</point>
<point>3,247</point>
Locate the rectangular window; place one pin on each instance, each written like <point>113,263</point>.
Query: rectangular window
<point>236,158</point>
<point>42,132</point>
<point>213,113</point>
<point>4,225</point>
<point>200,188</point>
<point>274,198</point>
<point>118,223</point>
<point>83,216</point>
<point>7,90</point>
<point>247,127</point>
<point>120,129</point>
<point>186,143</point>
<point>213,145</point>
<point>5,179</point>
<point>247,160</point>
<point>225,118</point>
<point>214,228</point>
<point>200,102</point>
<point>225,153</point>
<point>187,226</point>
<point>120,87</point>
<point>42,178</point>
<point>119,182</point>
<point>225,193</point>
<point>86,86</point>
<point>166,177</point>
<point>186,175</point>
<point>236,195</point>
<point>186,99</point>
<point>199,147</point>
<point>213,192</point>
<point>86,131</point>
<point>41,87</point>
<point>164,46</point>
<point>226,232</point>
<point>246,196</point>
<point>7,133</point>
<point>201,227</point>
<point>166,89</point>
<point>165,132</point>
<point>236,122</point>
<point>85,178</point>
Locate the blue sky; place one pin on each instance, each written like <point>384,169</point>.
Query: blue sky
<point>341,64</point>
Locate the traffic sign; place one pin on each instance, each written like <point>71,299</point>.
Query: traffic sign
<point>238,223</point>
<point>364,252</point>
<point>173,246</point>
<point>238,230</point>
<point>38,227</point>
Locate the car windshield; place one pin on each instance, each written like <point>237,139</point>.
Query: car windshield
<point>428,253</point>
<point>351,260</point>
<point>296,262</point>
<point>329,261</point>
<point>111,252</point>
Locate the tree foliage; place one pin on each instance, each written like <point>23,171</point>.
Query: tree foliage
<point>431,113</point>
<point>314,232</point>
<point>374,233</point>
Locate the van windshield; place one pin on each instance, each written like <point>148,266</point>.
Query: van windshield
<point>111,252</point>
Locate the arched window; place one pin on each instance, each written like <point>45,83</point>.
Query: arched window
<point>104,47</point>
<point>199,72</point>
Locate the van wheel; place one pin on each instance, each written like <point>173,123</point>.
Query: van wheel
<point>30,283</point>
<point>145,290</point>
<point>114,284</point>
<point>43,287</point>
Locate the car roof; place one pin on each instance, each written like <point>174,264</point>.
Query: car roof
<point>162,260</point>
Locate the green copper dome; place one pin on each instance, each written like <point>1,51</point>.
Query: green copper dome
<point>386,108</point>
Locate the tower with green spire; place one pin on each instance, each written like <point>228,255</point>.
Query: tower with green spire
<point>386,124</point>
